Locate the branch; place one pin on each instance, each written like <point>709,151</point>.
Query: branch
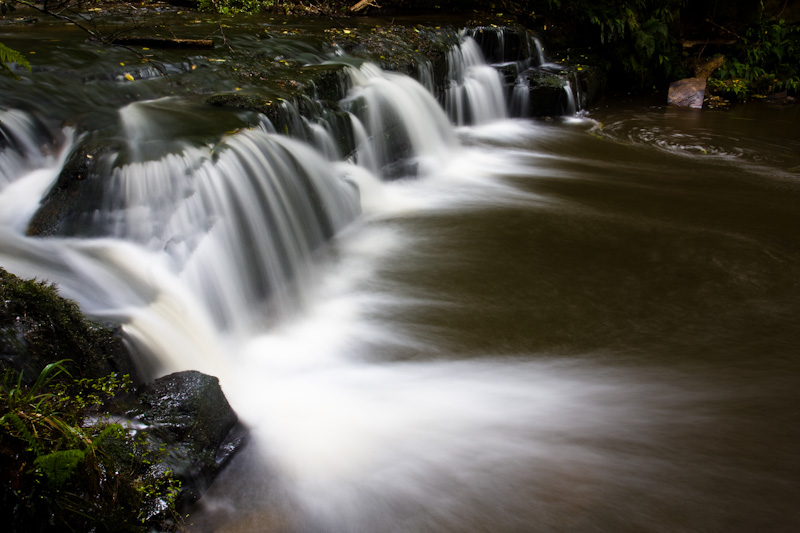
<point>363,4</point>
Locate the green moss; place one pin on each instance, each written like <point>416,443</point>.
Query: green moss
<point>37,327</point>
<point>70,466</point>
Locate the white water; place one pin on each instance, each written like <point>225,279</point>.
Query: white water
<point>216,260</point>
<point>475,94</point>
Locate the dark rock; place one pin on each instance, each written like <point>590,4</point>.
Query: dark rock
<point>188,415</point>
<point>76,193</point>
<point>550,94</point>
<point>38,327</point>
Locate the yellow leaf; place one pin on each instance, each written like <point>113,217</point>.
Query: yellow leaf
<point>346,32</point>
<point>128,77</point>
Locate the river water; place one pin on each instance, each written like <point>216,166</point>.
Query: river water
<point>587,323</point>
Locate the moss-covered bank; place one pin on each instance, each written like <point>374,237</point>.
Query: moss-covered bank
<point>82,448</point>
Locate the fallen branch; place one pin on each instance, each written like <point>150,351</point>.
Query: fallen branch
<point>157,42</point>
<point>363,4</point>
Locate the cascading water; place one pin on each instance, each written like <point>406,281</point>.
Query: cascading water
<point>397,122</point>
<point>475,93</point>
<point>30,158</point>
<point>504,343</point>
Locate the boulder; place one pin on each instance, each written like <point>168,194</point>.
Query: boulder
<point>688,92</point>
<point>77,192</point>
<point>187,415</point>
<point>549,93</point>
<point>38,327</point>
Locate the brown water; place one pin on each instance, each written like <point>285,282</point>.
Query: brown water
<point>592,328</point>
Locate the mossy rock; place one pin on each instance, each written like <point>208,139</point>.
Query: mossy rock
<point>38,327</point>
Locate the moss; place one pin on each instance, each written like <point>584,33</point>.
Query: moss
<point>69,467</point>
<point>37,327</point>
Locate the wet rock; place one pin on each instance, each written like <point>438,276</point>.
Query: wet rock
<point>38,327</point>
<point>688,92</point>
<point>549,94</point>
<point>76,193</point>
<point>187,415</point>
<point>267,106</point>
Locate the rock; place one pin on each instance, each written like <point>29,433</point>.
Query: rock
<point>38,327</point>
<point>688,92</point>
<point>188,415</point>
<point>76,193</point>
<point>549,93</point>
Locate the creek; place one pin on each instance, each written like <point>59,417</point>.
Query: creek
<point>440,318</point>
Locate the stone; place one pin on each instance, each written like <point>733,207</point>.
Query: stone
<point>688,92</point>
<point>187,413</point>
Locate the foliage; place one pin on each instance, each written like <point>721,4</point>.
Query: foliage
<point>231,7</point>
<point>72,464</point>
<point>767,61</point>
<point>9,56</point>
<point>636,37</point>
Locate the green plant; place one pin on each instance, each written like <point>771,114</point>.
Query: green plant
<point>9,56</point>
<point>637,38</point>
<point>767,61</point>
<point>231,7</point>
<point>72,463</point>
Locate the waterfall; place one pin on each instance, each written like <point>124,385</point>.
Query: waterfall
<point>475,93</point>
<point>237,249</point>
<point>30,159</point>
<point>570,108</point>
<point>399,126</point>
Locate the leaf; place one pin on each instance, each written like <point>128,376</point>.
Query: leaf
<point>7,56</point>
<point>59,466</point>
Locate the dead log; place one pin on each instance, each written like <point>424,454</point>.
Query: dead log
<point>159,42</point>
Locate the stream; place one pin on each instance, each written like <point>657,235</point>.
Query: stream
<point>460,321</point>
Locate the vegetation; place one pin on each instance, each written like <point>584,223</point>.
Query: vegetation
<point>69,466</point>
<point>766,61</point>
<point>637,40</point>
